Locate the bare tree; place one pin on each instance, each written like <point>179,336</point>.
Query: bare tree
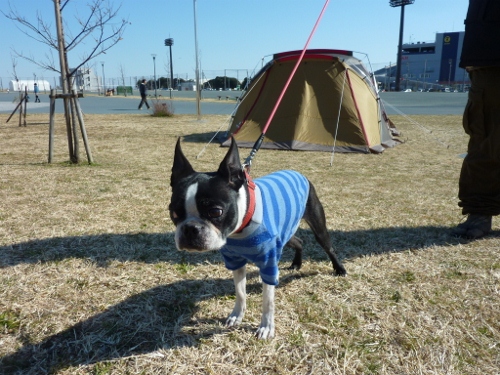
<point>14,68</point>
<point>95,26</point>
<point>122,72</point>
<point>99,25</point>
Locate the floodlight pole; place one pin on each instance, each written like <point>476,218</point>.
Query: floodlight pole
<point>169,43</point>
<point>402,4</point>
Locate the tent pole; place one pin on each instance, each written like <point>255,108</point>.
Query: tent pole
<point>338,119</point>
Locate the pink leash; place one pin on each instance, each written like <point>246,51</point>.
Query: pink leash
<point>258,143</point>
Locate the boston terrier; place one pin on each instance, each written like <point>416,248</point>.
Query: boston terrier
<point>246,220</point>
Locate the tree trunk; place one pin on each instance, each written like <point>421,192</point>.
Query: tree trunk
<point>64,79</point>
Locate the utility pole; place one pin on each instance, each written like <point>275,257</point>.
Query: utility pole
<point>154,67</point>
<point>103,80</point>
<point>198,107</point>
<point>402,4</point>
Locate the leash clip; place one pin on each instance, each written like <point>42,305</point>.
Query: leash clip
<point>245,167</point>
<point>248,161</point>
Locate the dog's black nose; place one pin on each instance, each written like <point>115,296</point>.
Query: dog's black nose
<point>191,230</point>
<point>192,237</point>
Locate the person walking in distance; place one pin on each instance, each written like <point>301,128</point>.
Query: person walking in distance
<point>36,90</point>
<point>479,182</point>
<point>144,95</point>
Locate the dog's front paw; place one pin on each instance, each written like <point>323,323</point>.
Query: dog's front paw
<point>234,319</point>
<point>265,332</point>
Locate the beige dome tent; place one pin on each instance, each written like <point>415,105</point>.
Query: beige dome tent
<point>325,82</point>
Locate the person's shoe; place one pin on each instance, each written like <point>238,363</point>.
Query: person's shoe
<point>476,226</point>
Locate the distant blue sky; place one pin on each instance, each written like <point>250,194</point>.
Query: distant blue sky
<point>235,34</point>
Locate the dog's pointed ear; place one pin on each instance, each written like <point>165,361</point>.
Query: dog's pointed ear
<point>230,168</point>
<point>181,167</point>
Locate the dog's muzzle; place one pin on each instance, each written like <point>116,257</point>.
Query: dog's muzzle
<point>195,235</point>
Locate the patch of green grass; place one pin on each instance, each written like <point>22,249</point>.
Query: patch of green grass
<point>372,368</point>
<point>407,277</point>
<point>78,283</point>
<point>395,296</point>
<point>455,274</point>
<point>10,321</point>
<point>486,331</point>
<point>103,368</point>
<point>183,267</point>
<point>296,338</point>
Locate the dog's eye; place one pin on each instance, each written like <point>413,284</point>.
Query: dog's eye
<point>214,213</point>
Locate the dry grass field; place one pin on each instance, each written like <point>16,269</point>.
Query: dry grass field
<point>91,282</point>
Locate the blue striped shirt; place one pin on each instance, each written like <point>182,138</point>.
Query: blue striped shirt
<point>281,199</point>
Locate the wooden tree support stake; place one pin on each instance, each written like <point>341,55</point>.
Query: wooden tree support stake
<point>75,110</point>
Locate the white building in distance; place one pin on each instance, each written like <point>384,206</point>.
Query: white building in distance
<point>85,79</point>
<point>29,84</point>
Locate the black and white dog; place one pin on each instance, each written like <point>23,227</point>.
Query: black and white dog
<point>247,221</point>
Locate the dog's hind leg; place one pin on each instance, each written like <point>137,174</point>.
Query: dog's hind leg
<point>315,217</point>
<point>240,306</point>
<point>296,244</point>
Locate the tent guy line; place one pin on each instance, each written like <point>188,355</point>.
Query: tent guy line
<point>414,122</point>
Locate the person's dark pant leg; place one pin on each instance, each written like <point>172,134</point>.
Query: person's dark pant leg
<point>479,184</point>
<point>144,101</point>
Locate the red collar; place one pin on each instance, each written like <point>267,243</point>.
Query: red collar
<point>251,203</point>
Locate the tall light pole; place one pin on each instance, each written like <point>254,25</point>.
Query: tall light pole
<point>402,4</point>
<point>450,61</point>
<point>198,108</point>
<point>154,67</point>
<point>103,79</point>
<point>425,74</point>
<point>169,43</point>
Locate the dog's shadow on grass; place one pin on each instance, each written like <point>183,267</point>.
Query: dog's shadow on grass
<point>159,318</point>
<point>160,247</point>
<point>165,316</point>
